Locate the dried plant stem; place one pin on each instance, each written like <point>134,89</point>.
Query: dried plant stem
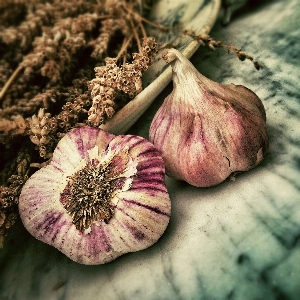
<point>10,81</point>
<point>206,40</point>
<point>144,33</point>
<point>104,17</point>
<point>141,19</point>
<point>124,46</point>
<point>136,36</point>
<point>203,39</point>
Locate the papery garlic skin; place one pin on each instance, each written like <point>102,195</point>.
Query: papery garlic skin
<point>140,201</point>
<point>206,131</point>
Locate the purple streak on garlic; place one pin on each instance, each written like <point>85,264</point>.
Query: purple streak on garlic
<point>100,197</point>
<point>206,131</point>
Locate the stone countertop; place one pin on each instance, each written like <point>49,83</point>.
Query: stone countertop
<point>238,240</point>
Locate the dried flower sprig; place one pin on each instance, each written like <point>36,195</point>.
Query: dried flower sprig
<point>39,15</point>
<point>108,29</point>
<point>46,130</point>
<point>205,39</point>
<point>32,100</point>
<point>54,50</point>
<point>16,172</point>
<point>8,128</point>
<point>112,80</point>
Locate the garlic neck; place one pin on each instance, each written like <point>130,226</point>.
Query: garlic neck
<point>184,71</point>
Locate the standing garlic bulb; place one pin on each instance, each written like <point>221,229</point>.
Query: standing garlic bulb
<point>206,131</point>
<point>101,196</point>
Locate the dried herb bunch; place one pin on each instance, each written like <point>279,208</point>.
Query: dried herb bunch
<point>48,52</point>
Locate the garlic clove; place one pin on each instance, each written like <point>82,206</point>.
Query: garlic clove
<point>206,131</point>
<point>101,196</point>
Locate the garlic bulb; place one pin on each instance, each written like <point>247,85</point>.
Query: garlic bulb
<point>206,131</point>
<point>101,196</point>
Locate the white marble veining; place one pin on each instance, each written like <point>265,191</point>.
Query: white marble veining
<point>238,240</point>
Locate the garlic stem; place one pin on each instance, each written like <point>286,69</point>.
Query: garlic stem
<point>10,81</point>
